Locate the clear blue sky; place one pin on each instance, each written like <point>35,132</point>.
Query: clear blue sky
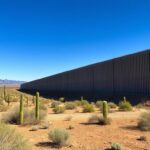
<point>43,37</point>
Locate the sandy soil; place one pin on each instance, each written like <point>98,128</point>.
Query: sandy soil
<point>92,137</point>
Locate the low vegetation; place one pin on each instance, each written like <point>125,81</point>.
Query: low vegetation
<point>104,120</point>
<point>125,106</point>
<point>59,109</point>
<point>55,104</point>
<point>116,146</point>
<point>11,140</point>
<point>94,119</point>
<point>99,104</point>
<point>87,108</point>
<point>12,116</point>
<point>59,137</point>
<point>70,105</point>
<point>144,122</point>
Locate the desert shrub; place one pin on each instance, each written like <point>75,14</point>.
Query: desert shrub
<point>29,116</point>
<point>112,105</point>
<point>59,109</point>
<point>11,140</point>
<point>84,102</point>
<point>116,146</point>
<point>99,104</point>
<point>55,104</point>
<point>35,128</point>
<point>70,105</point>
<point>59,136</point>
<point>62,99</point>
<point>94,119</point>
<point>88,108</point>
<point>125,106</point>
<point>44,125</point>
<point>77,103</point>
<point>144,121</point>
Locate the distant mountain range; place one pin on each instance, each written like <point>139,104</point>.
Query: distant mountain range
<point>10,82</point>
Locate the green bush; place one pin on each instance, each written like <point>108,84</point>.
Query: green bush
<point>144,121</point>
<point>70,105</point>
<point>59,136</point>
<point>55,104</point>
<point>62,99</point>
<point>88,108</point>
<point>59,109</point>
<point>116,146</point>
<point>84,102</point>
<point>11,140</point>
<point>12,116</point>
<point>78,103</point>
<point>125,106</point>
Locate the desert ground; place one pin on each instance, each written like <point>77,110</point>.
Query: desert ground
<point>84,136</point>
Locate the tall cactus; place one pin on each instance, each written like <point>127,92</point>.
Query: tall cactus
<point>37,106</point>
<point>8,99</point>
<point>105,110</point>
<point>21,112</point>
<point>5,94</point>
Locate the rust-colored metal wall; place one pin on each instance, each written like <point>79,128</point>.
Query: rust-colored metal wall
<point>125,76</point>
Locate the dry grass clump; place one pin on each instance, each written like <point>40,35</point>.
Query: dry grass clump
<point>125,106</point>
<point>62,99</point>
<point>94,119</point>
<point>88,108</point>
<point>99,104</point>
<point>12,116</point>
<point>59,109</point>
<point>3,105</point>
<point>144,122</point>
<point>116,146</point>
<point>59,137</point>
<point>55,104</point>
<point>70,105</point>
<point>11,140</point>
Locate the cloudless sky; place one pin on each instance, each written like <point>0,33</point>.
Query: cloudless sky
<point>39,38</point>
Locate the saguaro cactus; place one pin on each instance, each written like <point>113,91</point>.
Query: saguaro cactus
<point>8,99</point>
<point>21,112</point>
<point>37,106</point>
<point>105,110</point>
<point>5,95</point>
